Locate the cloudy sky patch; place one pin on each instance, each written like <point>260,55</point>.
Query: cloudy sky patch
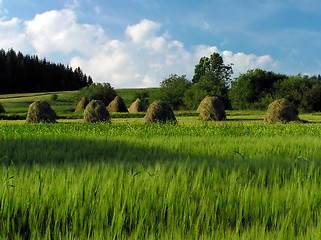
<point>141,43</point>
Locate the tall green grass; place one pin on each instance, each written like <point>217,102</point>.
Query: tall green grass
<point>120,181</point>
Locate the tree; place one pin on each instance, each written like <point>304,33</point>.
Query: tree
<point>214,65</point>
<point>211,77</point>
<point>302,91</point>
<point>254,89</point>
<point>172,90</point>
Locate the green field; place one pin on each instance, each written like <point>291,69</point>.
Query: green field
<point>237,179</point>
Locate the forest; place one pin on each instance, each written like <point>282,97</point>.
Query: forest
<point>23,74</point>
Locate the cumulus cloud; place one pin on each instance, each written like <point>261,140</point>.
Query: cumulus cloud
<point>12,34</point>
<point>59,31</point>
<point>143,57</point>
<point>241,62</point>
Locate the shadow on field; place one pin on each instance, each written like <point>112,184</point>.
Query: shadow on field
<point>75,152</point>
<point>29,151</point>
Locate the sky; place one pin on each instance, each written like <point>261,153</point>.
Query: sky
<point>139,43</point>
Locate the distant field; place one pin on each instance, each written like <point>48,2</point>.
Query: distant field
<point>128,94</point>
<point>65,104</point>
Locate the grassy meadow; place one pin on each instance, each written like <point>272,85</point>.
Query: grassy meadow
<point>237,179</point>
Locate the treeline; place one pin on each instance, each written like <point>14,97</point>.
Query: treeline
<point>255,89</point>
<point>21,74</point>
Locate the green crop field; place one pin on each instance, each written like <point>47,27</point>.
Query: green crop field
<point>236,179</point>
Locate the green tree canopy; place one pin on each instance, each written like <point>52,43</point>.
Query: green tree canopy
<point>254,89</point>
<point>211,77</point>
<point>302,91</point>
<point>172,90</point>
<point>214,65</point>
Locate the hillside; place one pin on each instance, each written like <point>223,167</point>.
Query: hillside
<point>17,104</point>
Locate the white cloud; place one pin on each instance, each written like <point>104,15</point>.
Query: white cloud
<point>204,51</point>
<point>142,58</point>
<point>59,31</point>
<point>241,61</point>
<point>142,30</point>
<point>12,34</point>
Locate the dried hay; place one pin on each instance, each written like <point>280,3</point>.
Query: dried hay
<point>211,109</point>
<point>82,104</point>
<point>281,111</point>
<point>137,106</point>
<point>2,110</point>
<point>40,111</point>
<point>117,105</point>
<point>159,112</point>
<point>96,112</point>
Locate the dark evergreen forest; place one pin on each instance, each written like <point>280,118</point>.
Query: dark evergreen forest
<point>23,74</point>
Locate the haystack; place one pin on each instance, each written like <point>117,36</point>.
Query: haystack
<point>281,111</point>
<point>117,105</point>
<point>211,109</point>
<point>82,104</point>
<point>40,111</point>
<point>96,112</point>
<point>159,112</point>
<point>2,110</point>
<point>137,106</point>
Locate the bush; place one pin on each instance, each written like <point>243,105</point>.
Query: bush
<point>98,91</point>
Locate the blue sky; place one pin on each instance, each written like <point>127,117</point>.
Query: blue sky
<point>138,43</point>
